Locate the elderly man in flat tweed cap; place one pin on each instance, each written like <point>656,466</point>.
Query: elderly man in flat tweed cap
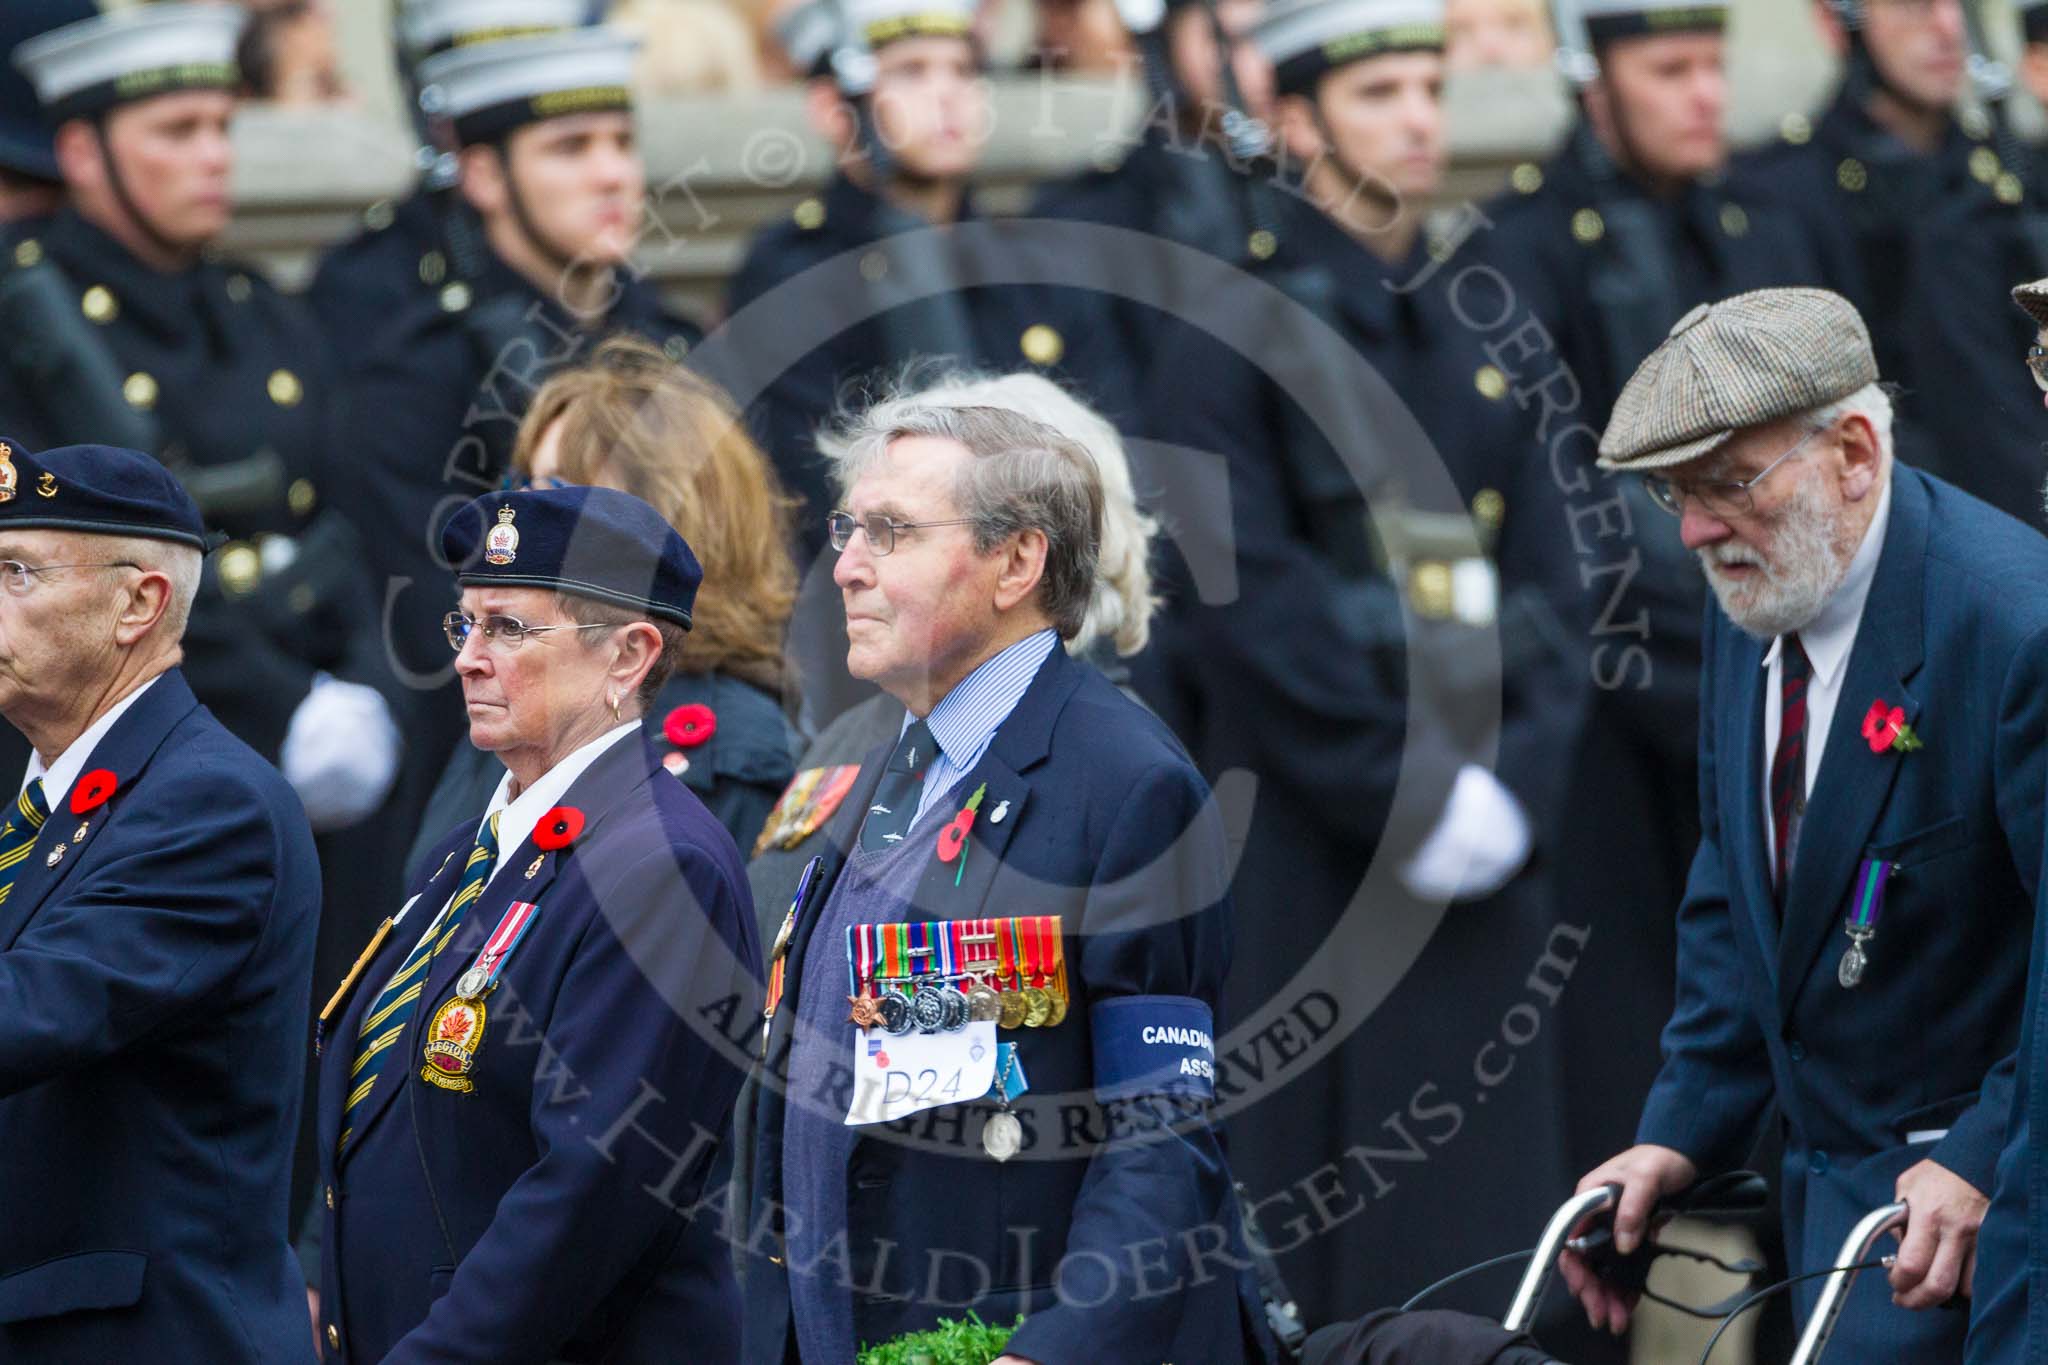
<point>1853,936</point>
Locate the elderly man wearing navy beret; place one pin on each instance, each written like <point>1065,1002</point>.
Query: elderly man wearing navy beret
<point>527,1075</point>
<point>158,897</point>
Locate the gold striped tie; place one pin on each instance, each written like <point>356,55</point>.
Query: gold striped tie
<point>386,1021</point>
<point>18,835</point>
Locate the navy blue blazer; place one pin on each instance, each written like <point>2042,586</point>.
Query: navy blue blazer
<point>1110,828</point>
<point>548,1214</point>
<point>1953,633</point>
<point>153,985</point>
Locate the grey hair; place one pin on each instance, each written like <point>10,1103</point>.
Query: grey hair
<point>1121,607</point>
<point>1026,475</point>
<point>1873,402</point>
<point>182,564</point>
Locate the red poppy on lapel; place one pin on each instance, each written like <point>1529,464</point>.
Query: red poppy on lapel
<point>953,837</point>
<point>558,828</point>
<point>1884,727</point>
<point>91,791</point>
<point>690,725</point>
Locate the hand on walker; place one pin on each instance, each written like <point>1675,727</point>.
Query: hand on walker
<point>1645,1174</point>
<point>1938,1250</point>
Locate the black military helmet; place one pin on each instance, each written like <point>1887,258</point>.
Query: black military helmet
<point>25,146</point>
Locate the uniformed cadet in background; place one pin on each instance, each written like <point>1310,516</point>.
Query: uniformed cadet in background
<point>2033,70</point>
<point>1337,642</point>
<point>906,104</point>
<point>412,248</point>
<point>1182,173</point>
<point>1933,197</point>
<point>143,338</point>
<point>30,186</point>
<point>551,166</point>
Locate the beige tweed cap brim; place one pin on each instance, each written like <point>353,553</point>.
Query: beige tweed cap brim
<point>1743,362</point>
<point>2033,298</point>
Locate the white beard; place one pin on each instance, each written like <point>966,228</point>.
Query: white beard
<point>1803,571</point>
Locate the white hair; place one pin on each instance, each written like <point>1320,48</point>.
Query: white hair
<point>1871,402</point>
<point>182,564</point>
<point>1121,602</point>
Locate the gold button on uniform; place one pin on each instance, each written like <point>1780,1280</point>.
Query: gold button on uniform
<point>28,253</point>
<point>2008,189</point>
<point>1429,590</point>
<point>1490,508</point>
<point>1527,178</point>
<point>1588,226</point>
<point>1851,175</point>
<point>433,268</point>
<point>1491,383</point>
<point>1042,345</point>
<point>241,568</point>
<point>1734,220</point>
<point>239,289</point>
<point>1984,165</point>
<point>455,297</point>
<point>301,496</point>
<point>676,347</point>
<point>380,215</point>
<point>1795,129</point>
<point>1262,244</point>
<point>285,389</point>
<point>809,214</point>
<point>140,391</point>
<point>98,305</point>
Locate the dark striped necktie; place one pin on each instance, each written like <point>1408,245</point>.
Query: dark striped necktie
<point>18,835</point>
<point>385,1023</point>
<point>1788,764</point>
<point>896,795</point>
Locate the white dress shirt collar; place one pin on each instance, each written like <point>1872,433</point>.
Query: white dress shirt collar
<point>58,776</point>
<point>522,813</point>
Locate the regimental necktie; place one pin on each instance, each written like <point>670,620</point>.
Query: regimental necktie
<point>386,1021</point>
<point>895,804</point>
<point>18,835</point>
<point>1788,764</point>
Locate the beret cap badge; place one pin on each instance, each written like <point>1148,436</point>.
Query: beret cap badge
<point>501,546</point>
<point>7,475</point>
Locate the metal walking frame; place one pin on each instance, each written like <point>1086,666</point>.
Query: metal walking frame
<point>1558,1233</point>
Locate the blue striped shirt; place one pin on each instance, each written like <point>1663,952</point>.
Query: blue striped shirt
<point>966,719</point>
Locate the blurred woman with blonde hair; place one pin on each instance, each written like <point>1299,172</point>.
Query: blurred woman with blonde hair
<point>635,420</point>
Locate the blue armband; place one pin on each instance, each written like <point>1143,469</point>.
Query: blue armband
<point>1153,1045</point>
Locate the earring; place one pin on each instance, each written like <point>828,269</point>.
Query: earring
<point>615,708</point>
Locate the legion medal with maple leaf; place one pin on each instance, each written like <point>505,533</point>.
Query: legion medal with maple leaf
<point>454,1036</point>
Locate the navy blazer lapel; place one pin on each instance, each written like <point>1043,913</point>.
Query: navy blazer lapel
<point>1745,849</point>
<point>348,1020</point>
<point>841,832</point>
<point>525,873</point>
<point>125,750</point>
<point>1851,788</point>
<point>1021,743</point>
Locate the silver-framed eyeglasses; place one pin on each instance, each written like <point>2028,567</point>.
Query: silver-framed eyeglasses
<point>501,632</point>
<point>880,530</point>
<point>1722,498</point>
<point>18,577</point>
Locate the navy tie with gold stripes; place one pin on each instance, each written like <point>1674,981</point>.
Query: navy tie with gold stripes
<point>18,835</point>
<point>393,1010</point>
